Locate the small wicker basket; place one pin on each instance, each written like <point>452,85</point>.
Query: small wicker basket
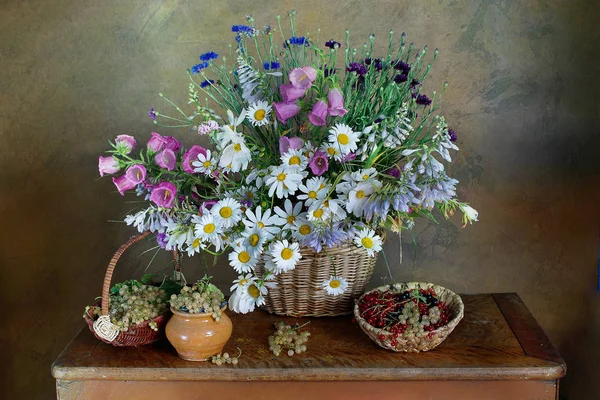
<point>414,345</point>
<point>138,334</point>
<point>299,293</point>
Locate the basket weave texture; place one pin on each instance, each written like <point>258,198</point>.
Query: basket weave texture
<point>138,334</point>
<point>299,292</point>
<point>455,309</point>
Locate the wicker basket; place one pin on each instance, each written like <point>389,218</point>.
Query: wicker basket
<point>299,293</point>
<point>138,334</point>
<point>434,338</point>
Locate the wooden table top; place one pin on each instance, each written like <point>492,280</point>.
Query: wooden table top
<point>498,339</point>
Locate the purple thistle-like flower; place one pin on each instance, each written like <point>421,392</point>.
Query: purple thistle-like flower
<point>359,68</point>
<point>452,135</point>
<point>400,78</point>
<point>162,240</point>
<point>152,113</point>
<point>211,55</point>
<point>423,100</point>
<point>332,44</point>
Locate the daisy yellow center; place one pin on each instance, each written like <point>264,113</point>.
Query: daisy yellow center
<point>312,194</point>
<point>304,229</point>
<point>242,282</point>
<point>225,212</point>
<point>259,115</point>
<point>366,177</point>
<point>261,225</point>
<point>367,242</point>
<point>209,228</point>
<point>286,253</point>
<point>206,164</point>
<point>291,219</point>
<point>360,194</point>
<point>253,291</point>
<point>331,151</point>
<point>253,239</point>
<point>281,177</point>
<point>334,284</point>
<point>295,160</point>
<point>196,243</point>
<point>321,186</point>
<point>244,257</point>
<point>318,213</point>
<point>237,147</point>
<point>326,203</point>
<point>343,138</point>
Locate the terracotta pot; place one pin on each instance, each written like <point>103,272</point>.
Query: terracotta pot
<point>198,336</point>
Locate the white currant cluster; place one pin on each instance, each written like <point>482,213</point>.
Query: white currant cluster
<point>225,358</point>
<point>415,322</point>
<point>202,297</point>
<point>288,338</point>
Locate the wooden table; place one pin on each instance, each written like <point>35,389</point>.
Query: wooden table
<point>498,351</point>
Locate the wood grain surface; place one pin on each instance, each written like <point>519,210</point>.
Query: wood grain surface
<point>483,347</point>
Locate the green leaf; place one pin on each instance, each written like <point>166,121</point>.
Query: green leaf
<point>147,279</point>
<point>170,287</point>
<point>427,214</point>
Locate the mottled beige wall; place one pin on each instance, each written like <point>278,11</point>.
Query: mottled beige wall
<point>523,86</point>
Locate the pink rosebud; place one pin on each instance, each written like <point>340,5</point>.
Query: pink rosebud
<point>164,194</point>
<point>285,143</point>
<point>302,78</point>
<point>136,173</point>
<point>283,111</point>
<point>290,94</point>
<point>192,155</point>
<point>172,144</point>
<point>107,165</point>
<point>123,184</point>
<point>166,159</point>
<point>126,143</point>
<point>318,163</point>
<point>318,115</point>
<point>156,142</point>
<point>336,103</point>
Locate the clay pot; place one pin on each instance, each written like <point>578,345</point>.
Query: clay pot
<point>198,336</point>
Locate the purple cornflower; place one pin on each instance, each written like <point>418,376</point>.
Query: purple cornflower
<point>377,64</point>
<point>423,100</point>
<point>414,83</point>
<point>211,55</point>
<point>152,113</point>
<point>199,67</point>
<point>297,41</point>
<point>162,240</point>
<point>332,44</point>
<point>400,65</point>
<point>358,68</point>
<point>400,78</point>
<point>452,135</point>
<point>329,71</point>
<point>206,83</point>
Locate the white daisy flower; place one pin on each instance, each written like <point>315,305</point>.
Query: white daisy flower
<point>301,228</point>
<point>335,207</point>
<point>343,138</point>
<point>258,113</point>
<point>364,175</point>
<point>242,260</point>
<point>331,151</point>
<point>283,182</point>
<point>315,190</point>
<point>227,212</point>
<point>205,163</point>
<point>228,133</point>
<point>194,245</point>
<point>368,240</point>
<point>257,177</point>
<point>285,255</point>
<point>267,223</point>
<point>243,280</point>
<point>289,213</point>
<point>206,228</point>
<point>358,196</point>
<point>335,285</point>
<point>317,212</point>
<point>236,156</point>
<point>294,160</point>
<point>309,149</point>
<point>240,301</point>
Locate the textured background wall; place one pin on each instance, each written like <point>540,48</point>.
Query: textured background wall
<point>524,83</point>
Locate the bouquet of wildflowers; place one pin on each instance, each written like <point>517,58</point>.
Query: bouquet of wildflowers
<point>316,144</point>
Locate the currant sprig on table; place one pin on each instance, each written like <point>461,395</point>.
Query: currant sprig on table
<point>288,338</point>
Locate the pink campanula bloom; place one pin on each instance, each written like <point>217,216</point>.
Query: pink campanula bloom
<point>123,184</point>
<point>336,103</point>
<point>302,78</point>
<point>136,173</point>
<point>318,115</point>
<point>284,111</point>
<point>285,143</point>
<point>156,142</point>
<point>172,144</point>
<point>126,143</point>
<point>107,165</point>
<point>349,157</point>
<point>290,94</point>
<point>318,163</point>
<point>166,159</point>
<point>164,194</point>
<point>192,155</point>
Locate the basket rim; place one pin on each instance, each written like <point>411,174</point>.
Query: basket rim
<point>441,329</point>
<point>187,314</point>
<point>140,325</point>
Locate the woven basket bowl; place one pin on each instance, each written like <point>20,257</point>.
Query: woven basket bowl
<point>414,345</point>
<point>299,292</point>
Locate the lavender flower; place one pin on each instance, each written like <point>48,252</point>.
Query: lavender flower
<point>208,127</point>
<point>162,240</point>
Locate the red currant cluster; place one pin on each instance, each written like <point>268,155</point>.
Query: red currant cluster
<point>411,313</point>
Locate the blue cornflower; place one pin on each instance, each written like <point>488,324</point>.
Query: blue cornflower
<point>211,55</point>
<point>242,29</point>
<point>298,41</point>
<point>206,83</point>
<point>199,67</point>
<point>272,65</point>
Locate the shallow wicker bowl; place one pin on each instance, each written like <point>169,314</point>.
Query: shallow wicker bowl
<point>383,338</point>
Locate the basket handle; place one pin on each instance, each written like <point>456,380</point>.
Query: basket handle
<point>113,263</point>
